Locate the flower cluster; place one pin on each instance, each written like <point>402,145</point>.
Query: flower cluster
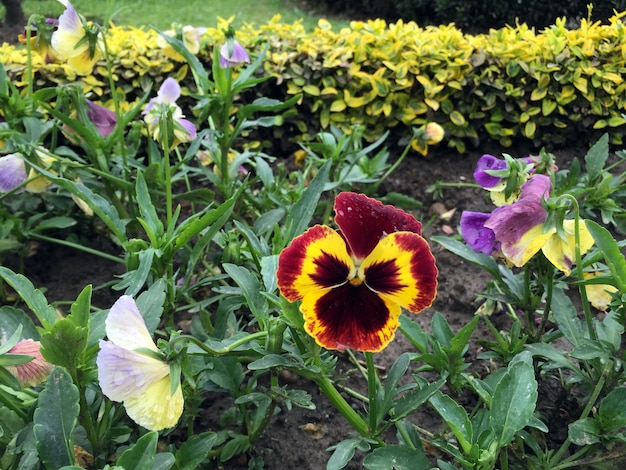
<point>522,224</point>
<point>354,282</point>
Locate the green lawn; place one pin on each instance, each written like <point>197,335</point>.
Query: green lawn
<point>162,13</point>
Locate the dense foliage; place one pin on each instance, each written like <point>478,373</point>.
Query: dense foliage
<point>512,83</point>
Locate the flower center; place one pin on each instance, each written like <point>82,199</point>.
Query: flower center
<point>356,281</point>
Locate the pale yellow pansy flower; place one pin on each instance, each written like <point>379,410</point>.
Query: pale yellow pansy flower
<point>132,370</point>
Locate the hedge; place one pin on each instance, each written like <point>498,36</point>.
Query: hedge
<point>513,83</point>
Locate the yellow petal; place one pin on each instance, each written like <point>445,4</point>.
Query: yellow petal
<point>527,246</point>
<point>599,295</point>
<point>316,260</point>
<point>402,270</point>
<point>156,408</point>
<point>561,253</point>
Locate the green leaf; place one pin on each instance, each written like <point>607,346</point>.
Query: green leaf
<point>557,359</point>
<point>227,373</point>
<point>194,450</point>
<point>268,221</point>
<point>396,457</point>
<point>414,333</point>
<point>141,455</point>
<point>101,206</point>
<point>299,216</point>
<point>64,344</point>
<point>514,399</point>
<point>565,316</point>
<point>459,341</point>
<point>456,418</point>
<point>150,304</point>
<point>584,432</point>
<point>612,254</point>
<point>596,156</point>
<point>81,309</point>
<point>236,446</point>
<point>12,318</point>
<point>269,266</point>
<point>147,208</point>
<point>56,223</point>
<point>250,288</point>
<point>395,374</point>
<point>211,220</point>
<point>34,298</point>
<point>414,398</point>
<point>611,412</point>
<point>270,361</point>
<point>467,253</point>
<point>343,453</point>
<point>55,419</point>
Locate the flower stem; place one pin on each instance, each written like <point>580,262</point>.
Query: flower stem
<point>77,246</point>
<point>221,351</point>
<point>372,389</point>
<point>339,402</point>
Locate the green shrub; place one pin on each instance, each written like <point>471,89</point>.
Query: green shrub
<point>513,83</point>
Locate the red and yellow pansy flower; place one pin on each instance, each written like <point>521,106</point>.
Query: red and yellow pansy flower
<point>354,282</point>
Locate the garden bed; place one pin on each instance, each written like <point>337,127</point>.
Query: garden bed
<point>299,438</point>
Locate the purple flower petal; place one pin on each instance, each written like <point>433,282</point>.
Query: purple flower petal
<point>12,172</point>
<point>485,163</point>
<point>232,53</point>
<point>69,19</point>
<point>123,373</point>
<point>509,223</point>
<point>189,127</point>
<point>476,235</point>
<point>103,118</point>
<point>169,91</point>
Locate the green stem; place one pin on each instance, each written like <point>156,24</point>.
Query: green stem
<point>579,272</point>
<point>87,422</point>
<point>227,138</point>
<point>395,165</point>
<point>29,59</point>
<point>331,392</point>
<point>546,311</point>
<point>226,349</point>
<point>116,104</point>
<point>86,249</point>
<point>372,392</point>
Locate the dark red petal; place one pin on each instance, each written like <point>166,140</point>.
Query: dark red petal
<point>364,221</point>
<point>351,316</point>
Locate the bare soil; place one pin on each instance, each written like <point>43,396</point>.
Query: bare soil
<point>299,439</point>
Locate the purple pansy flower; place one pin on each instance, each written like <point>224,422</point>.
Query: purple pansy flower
<point>12,172</point>
<point>103,118</point>
<point>184,130</point>
<point>232,53</point>
<point>488,163</point>
<point>512,221</point>
<point>476,235</point>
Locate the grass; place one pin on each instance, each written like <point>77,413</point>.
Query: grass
<point>162,13</point>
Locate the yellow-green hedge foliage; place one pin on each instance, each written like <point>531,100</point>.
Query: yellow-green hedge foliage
<point>545,86</point>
